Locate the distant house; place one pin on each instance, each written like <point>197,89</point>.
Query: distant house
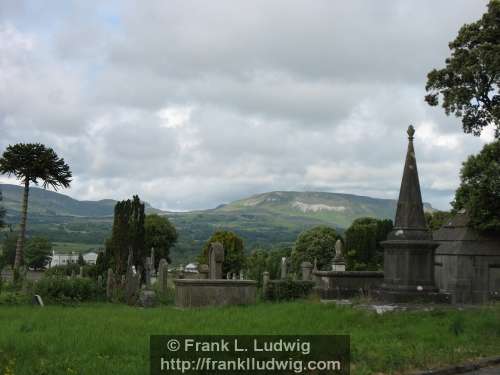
<point>191,267</point>
<point>62,259</point>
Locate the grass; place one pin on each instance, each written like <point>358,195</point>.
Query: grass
<point>114,339</point>
<point>68,247</point>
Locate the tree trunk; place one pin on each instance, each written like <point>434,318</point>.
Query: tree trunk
<point>22,229</point>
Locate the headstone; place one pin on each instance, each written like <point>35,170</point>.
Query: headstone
<point>81,271</point>
<point>283,268</point>
<point>338,263</point>
<point>265,282</point>
<point>147,298</point>
<point>73,274</point>
<point>306,270</point>
<point>110,284</point>
<point>241,275</point>
<point>163,275</point>
<point>203,271</point>
<point>148,271</point>
<point>99,281</point>
<point>37,300</point>
<point>152,259</point>
<point>234,275</point>
<point>215,260</point>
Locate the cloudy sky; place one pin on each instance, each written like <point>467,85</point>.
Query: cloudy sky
<point>194,103</point>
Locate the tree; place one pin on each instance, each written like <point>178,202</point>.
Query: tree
<point>318,244</point>
<point>2,212</point>
<point>362,243</point>
<point>435,220</point>
<point>260,261</point>
<point>479,190</point>
<point>234,256</point>
<point>81,261</point>
<point>9,248</point>
<point>128,233</point>
<point>38,252</point>
<point>160,236</point>
<point>469,84</point>
<point>31,162</point>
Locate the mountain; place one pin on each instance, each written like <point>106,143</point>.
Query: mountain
<point>44,202</point>
<point>263,220</point>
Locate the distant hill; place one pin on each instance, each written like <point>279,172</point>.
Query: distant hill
<point>44,202</point>
<point>263,220</point>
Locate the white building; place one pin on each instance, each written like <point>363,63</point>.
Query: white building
<point>62,259</point>
<point>191,267</point>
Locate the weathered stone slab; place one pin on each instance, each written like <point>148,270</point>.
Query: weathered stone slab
<point>199,293</point>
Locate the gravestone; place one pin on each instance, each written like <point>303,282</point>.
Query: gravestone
<point>215,260</point>
<point>147,271</point>
<point>203,271</point>
<point>163,275</point>
<point>81,271</point>
<point>265,282</point>
<point>338,263</point>
<point>37,300</point>
<point>306,270</point>
<point>152,259</point>
<point>110,284</point>
<point>284,270</point>
<point>132,281</point>
<point>99,281</point>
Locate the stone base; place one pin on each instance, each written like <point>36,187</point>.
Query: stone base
<point>217,292</point>
<point>410,296</point>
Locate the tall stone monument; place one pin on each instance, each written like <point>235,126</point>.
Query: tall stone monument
<point>215,260</point>
<point>409,249</point>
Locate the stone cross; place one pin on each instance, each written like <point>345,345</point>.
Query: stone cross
<point>284,270</point>
<point>215,260</point>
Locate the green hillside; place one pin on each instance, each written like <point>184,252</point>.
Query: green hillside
<point>263,221</point>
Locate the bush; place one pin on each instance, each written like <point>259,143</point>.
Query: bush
<point>285,290</point>
<point>89,270</point>
<point>58,289</point>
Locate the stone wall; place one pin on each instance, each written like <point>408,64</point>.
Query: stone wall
<point>338,284</point>
<point>216,292</point>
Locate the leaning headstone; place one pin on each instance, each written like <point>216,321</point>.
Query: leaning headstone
<point>283,268</point>
<point>306,270</point>
<point>215,260</point>
<point>37,300</point>
<point>110,284</point>
<point>338,261</point>
<point>163,275</point>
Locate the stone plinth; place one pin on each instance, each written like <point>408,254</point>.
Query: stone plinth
<point>216,292</point>
<point>346,284</point>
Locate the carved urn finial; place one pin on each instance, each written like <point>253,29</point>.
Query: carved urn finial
<point>411,132</point>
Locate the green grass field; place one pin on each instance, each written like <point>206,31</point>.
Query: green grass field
<point>114,339</point>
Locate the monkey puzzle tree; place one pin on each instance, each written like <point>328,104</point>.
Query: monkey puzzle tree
<point>470,82</point>
<point>33,162</point>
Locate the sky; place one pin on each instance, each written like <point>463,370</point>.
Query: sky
<point>191,104</point>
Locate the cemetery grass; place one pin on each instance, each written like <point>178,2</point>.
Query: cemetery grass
<point>114,339</point>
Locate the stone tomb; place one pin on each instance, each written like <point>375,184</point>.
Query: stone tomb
<point>214,291</point>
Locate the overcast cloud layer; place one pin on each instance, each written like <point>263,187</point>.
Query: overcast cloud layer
<point>193,103</point>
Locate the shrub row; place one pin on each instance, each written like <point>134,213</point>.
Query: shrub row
<point>284,290</point>
<point>59,289</point>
